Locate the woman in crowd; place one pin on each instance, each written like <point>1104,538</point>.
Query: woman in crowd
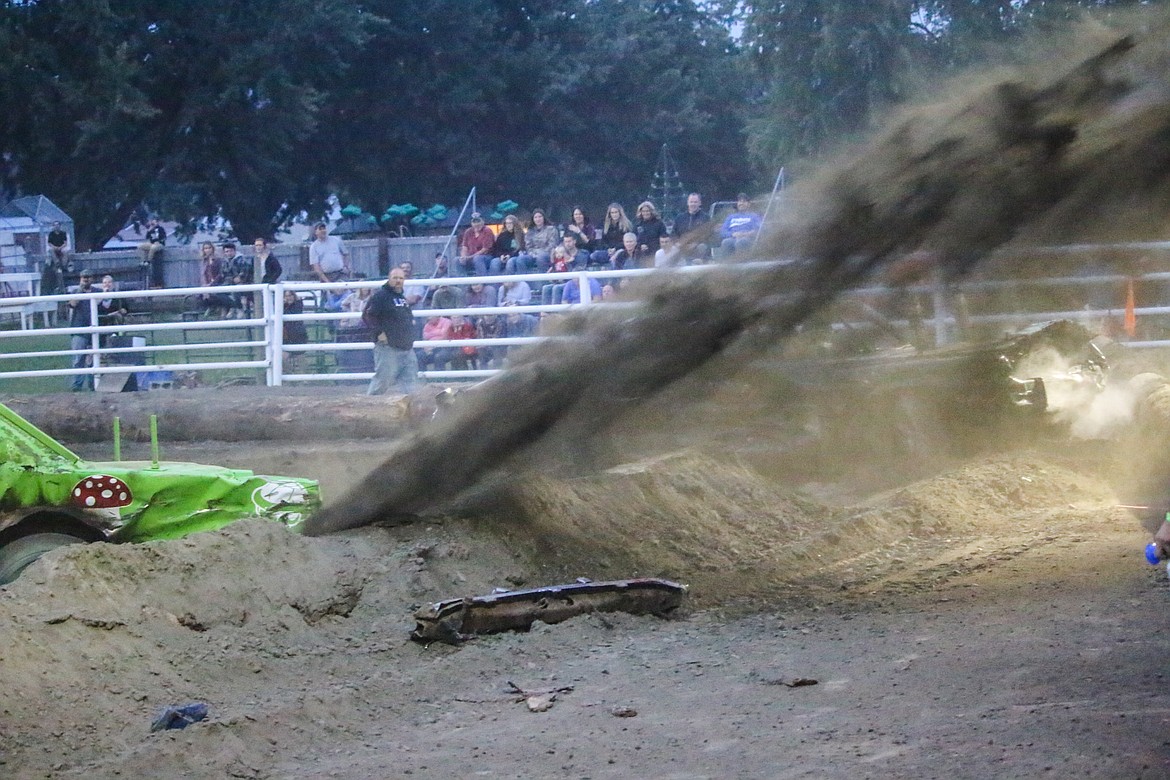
<point>539,241</point>
<point>580,226</point>
<point>212,275</point>
<point>509,243</point>
<point>436,329</point>
<point>649,227</point>
<point>616,225</point>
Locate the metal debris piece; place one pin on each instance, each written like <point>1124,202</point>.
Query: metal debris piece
<point>179,717</point>
<point>456,619</point>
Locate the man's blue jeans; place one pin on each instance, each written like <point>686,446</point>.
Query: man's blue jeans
<point>394,369</point>
<point>81,381</point>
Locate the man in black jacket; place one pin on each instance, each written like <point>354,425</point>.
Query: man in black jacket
<point>391,323</point>
<point>694,219</point>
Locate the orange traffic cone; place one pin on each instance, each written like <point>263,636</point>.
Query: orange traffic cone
<point>1130,315</point>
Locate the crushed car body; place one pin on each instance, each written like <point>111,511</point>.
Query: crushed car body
<point>456,619</point>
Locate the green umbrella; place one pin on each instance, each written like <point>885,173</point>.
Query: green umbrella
<point>351,211</point>
<point>507,206</point>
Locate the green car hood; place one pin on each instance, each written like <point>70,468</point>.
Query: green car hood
<point>138,500</point>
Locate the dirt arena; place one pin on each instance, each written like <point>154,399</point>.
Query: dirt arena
<point>868,598</point>
<point>995,618</point>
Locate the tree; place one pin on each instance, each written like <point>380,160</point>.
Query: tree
<point>824,65</point>
<point>548,103</point>
<point>215,100</point>
<point>827,66</point>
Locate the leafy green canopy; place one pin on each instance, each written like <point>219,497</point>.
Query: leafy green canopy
<point>254,110</point>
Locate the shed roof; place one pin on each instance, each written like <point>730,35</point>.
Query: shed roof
<point>36,207</point>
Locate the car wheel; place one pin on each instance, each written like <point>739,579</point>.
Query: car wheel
<point>18,555</point>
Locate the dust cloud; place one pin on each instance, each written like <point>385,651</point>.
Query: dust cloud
<point>1018,156</point>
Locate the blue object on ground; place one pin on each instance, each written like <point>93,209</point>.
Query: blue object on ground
<point>1152,554</point>
<point>179,717</point>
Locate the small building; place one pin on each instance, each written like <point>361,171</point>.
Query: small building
<point>24,228</point>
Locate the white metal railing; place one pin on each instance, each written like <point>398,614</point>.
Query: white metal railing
<point>269,320</point>
<point>256,343</point>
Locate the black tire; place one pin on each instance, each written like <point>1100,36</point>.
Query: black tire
<point>19,554</point>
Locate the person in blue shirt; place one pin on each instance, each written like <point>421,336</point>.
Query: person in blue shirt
<point>740,229</point>
<point>572,292</point>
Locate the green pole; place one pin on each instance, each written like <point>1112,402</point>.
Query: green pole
<point>117,438</point>
<point>154,441</point>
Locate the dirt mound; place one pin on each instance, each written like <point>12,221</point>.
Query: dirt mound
<point>985,495</point>
<point>146,596</point>
<point>718,527</point>
<point>293,640</point>
<point>730,534</point>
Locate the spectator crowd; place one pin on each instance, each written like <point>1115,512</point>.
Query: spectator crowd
<point>618,242</point>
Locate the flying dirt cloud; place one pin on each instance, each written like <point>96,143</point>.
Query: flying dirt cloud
<point>1022,155</point>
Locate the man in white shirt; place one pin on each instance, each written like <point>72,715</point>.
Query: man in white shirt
<point>327,255</point>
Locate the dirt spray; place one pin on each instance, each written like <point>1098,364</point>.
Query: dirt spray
<point>1017,156</point>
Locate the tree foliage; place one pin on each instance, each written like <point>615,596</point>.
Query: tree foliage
<point>241,109</point>
<point>213,100</point>
<point>550,103</point>
<point>826,66</point>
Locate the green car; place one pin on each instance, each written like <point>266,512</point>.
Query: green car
<point>50,497</point>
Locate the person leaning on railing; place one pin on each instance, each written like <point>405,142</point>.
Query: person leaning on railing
<point>79,318</point>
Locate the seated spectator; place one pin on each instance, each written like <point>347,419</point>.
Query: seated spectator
<point>53,273</point>
<point>740,229</point>
<point>57,240</point>
<point>293,332</point>
<point>465,357</point>
<point>548,323</point>
<point>608,293</point>
<point>435,329</point>
<point>649,228</point>
<point>539,241</point>
<point>447,296</point>
<point>577,258</point>
<point>520,325</point>
<point>615,227</point>
<point>631,255</point>
<point>509,244</point>
<point>572,290</point>
<point>354,331</point>
<point>582,228</point>
<point>491,326</point>
<point>475,250</point>
<point>514,294</point>
<point>691,228</point>
<point>480,295</point>
<point>156,239</point>
<point>668,255</point>
<point>551,293</point>
<point>442,271</point>
<point>354,302</point>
